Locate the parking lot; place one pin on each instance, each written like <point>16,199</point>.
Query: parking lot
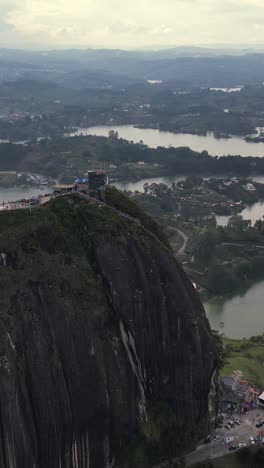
<point>241,434</point>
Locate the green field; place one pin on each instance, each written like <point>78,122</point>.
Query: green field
<point>246,356</point>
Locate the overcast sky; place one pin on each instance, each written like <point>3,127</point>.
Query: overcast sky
<point>130,23</point>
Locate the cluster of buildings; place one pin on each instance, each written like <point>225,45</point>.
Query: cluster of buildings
<point>229,182</point>
<point>8,116</point>
<point>93,181</point>
<point>33,179</point>
<point>239,395</point>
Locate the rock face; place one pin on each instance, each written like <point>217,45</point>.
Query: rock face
<point>98,325</point>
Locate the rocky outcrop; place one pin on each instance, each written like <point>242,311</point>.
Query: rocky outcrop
<point>98,325</point>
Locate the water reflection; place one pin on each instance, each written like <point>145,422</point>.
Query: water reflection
<point>242,316</point>
<point>252,212</point>
<point>18,193</point>
<point>154,138</point>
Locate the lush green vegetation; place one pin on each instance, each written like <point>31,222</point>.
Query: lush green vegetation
<point>117,199</point>
<point>231,257</point>
<point>246,355</point>
<point>158,440</point>
<point>48,230</point>
<point>227,259</point>
<point>91,98</point>
<point>46,237</point>
<point>69,157</point>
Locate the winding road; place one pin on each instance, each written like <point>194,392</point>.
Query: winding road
<point>184,237</point>
<point>234,244</point>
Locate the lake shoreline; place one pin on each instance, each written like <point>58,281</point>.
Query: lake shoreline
<point>153,137</point>
<point>239,316</point>
<point>207,296</point>
<point>157,126</point>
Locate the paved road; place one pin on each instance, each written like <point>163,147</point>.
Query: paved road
<point>236,244</point>
<point>201,273</point>
<point>218,448</point>
<point>184,237</point>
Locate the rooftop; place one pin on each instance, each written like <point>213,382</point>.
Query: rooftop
<point>62,186</point>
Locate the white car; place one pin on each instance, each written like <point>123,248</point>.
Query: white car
<point>242,445</point>
<point>252,440</point>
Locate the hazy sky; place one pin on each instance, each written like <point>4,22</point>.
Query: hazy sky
<point>130,23</point>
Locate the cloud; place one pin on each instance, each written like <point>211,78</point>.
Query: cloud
<point>126,24</point>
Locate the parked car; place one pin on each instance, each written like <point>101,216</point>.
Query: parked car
<point>252,440</point>
<point>232,448</point>
<point>227,427</point>
<point>242,445</point>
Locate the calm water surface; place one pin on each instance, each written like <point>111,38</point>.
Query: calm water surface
<point>17,193</point>
<point>253,212</point>
<point>242,316</point>
<point>154,138</point>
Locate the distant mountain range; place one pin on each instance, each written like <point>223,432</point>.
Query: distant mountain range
<point>84,55</point>
<point>190,66</point>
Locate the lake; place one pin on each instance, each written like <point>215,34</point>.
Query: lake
<point>243,315</point>
<point>17,193</point>
<point>252,212</point>
<point>154,138</point>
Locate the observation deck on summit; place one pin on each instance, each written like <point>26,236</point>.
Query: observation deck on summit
<point>92,181</point>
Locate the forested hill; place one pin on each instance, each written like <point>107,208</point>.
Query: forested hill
<point>183,66</point>
<point>52,157</point>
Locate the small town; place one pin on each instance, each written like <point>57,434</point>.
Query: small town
<point>240,421</point>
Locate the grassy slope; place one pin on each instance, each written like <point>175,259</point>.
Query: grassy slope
<point>115,198</point>
<point>59,228</point>
<point>247,356</point>
<point>28,238</point>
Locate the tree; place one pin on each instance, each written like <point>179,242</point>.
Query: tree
<point>220,279</point>
<point>237,223</point>
<point>259,225</point>
<point>146,187</point>
<point>205,245</point>
<point>192,181</point>
<point>112,134</point>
